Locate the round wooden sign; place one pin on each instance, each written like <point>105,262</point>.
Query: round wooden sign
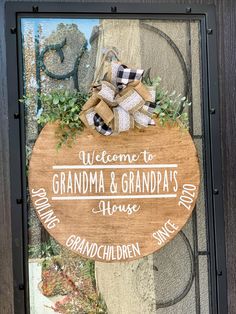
<point>115,198</point>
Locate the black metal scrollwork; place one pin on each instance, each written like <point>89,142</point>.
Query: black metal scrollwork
<point>190,280</point>
<point>178,54</point>
<point>58,48</point>
<point>180,296</point>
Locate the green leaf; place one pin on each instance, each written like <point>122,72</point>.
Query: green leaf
<point>71,102</point>
<point>165,106</point>
<point>55,100</point>
<point>62,99</point>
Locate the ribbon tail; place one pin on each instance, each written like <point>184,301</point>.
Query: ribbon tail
<point>142,120</point>
<point>101,126</point>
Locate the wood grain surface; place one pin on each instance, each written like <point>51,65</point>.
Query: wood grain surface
<point>226,33</point>
<point>171,158</point>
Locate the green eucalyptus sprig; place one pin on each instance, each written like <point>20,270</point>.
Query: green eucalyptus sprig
<point>170,107</point>
<point>63,107</point>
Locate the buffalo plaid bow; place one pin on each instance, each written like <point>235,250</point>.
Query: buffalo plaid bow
<point>124,76</point>
<point>119,103</point>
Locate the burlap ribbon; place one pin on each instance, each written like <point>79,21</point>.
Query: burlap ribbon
<point>119,103</point>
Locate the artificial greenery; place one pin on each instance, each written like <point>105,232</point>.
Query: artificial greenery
<point>169,106</point>
<point>63,107</point>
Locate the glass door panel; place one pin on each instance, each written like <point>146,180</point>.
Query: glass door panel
<point>65,53</point>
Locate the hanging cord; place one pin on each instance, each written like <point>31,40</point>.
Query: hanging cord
<point>105,56</point>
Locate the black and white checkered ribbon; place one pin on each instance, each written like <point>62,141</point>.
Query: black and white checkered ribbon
<point>101,126</point>
<point>125,75</point>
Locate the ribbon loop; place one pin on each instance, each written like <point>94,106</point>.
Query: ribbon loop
<point>131,101</point>
<point>104,111</point>
<point>107,93</point>
<point>123,120</point>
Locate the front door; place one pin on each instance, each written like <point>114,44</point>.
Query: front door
<point>58,52</point>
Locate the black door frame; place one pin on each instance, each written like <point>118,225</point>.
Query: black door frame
<point>210,93</point>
